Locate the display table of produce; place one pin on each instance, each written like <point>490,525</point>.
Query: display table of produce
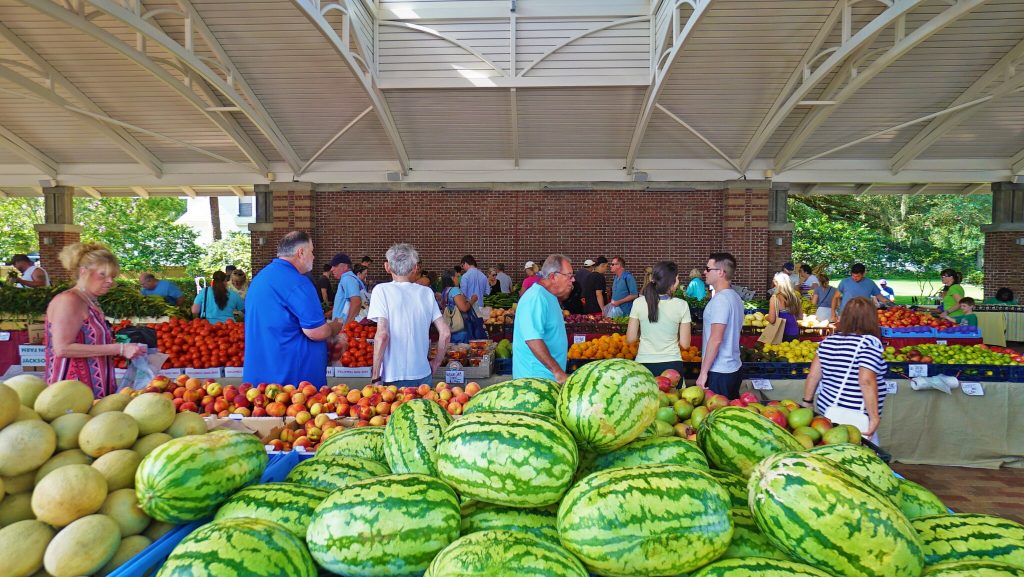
<point>931,428</point>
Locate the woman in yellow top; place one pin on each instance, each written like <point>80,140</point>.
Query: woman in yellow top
<point>660,321</point>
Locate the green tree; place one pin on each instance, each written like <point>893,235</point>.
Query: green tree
<point>141,232</point>
<point>235,249</point>
<point>17,215</point>
<point>835,244</point>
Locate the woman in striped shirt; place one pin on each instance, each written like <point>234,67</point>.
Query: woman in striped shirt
<point>856,342</point>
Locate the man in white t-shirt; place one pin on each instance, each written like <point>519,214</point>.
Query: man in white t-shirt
<point>404,311</point>
<point>32,275</point>
<point>723,319</point>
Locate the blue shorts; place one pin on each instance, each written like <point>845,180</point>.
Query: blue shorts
<point>410,382</point>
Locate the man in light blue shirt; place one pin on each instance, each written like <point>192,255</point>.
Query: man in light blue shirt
<point>853,286</point>
<point>624,289</point>
<point>723,320</point>
<point>474,282</point>
<point>348,301</point>
<point>540,347</point>
<point>164,289</point>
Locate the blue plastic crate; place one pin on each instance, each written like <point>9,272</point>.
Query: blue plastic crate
<point>776,370</point>
<point>503,366</point>
<point>917,333</point>
<point>991,373</point>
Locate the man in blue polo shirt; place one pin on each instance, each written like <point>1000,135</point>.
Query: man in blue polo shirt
<point>853,286</point>
<point>624,289</point>
<point>164,289</point>
<point>540,347</point>
<point>285,330</point>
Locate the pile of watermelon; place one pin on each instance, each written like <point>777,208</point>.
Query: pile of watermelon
<point>548,480</point>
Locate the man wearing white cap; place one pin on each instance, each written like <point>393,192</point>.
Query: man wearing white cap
<point>574,302</point>
<point>532,275</point>
<point>887,292</point>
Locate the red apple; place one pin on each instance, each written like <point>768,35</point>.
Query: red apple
<point>672,375</point>
<point>364,413</point>
<point>240,401</point>
<point>664,384</point>
<point>821,424</point>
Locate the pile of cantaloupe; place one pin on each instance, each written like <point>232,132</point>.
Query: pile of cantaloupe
<point>67,475</point>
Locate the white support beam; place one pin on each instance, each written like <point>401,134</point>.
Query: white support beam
<point>1017,163</point>
<point>818,116</point>
<point>701,137</point>
<point>811,189</point>
<point>332,140</point>
<point>17,145</point>
<point>973,188</point>
<point>661,73</point>
<point>223,121</point>
<point>929,135</point>
<point>189,192</point>
<point>142,192</point>
<point>91,191</point>
<point>311,9</point>
<point>238,191</point>
<point>918,189</point>
<point>118,136</point>
<point>863,189</point>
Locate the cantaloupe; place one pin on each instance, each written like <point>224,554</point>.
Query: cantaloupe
<point>83,547</point>
<point>67,494</point>
<point>151,441</point>
<point>62,459</point>
<point>158,529</point>
<point>63,397</point>
<point>108,432</point>
<point>67,428</point>
<point>16,508</point>
<point>130,547</point>
<point>110,403</point>
<point>22,483</point>
<point>28,388</point>
<point>22,546</point>
<point>27,414</point>
<point>123,507</point>
<point>10,405</point>
<point>187,423</point>
<point>25,446</point>
<point>118,468</point>
<point>154,412</point>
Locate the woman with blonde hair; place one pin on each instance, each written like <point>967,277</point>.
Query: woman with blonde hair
<point>696,289</point>
<point>79,343</point>
<point>785,304</point>
<point>822,297</point>
<point>239,284</point>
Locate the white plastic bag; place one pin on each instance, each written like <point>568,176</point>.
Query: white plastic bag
<point>611,311</point>
<point>141,371</point>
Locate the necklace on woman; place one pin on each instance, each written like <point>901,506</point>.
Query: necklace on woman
<point>88,297</point>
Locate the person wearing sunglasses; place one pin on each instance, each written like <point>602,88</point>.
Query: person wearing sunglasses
<point>540,347</point>
<point>723,320</point>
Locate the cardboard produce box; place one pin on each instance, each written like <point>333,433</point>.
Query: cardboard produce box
<point>469,373</point>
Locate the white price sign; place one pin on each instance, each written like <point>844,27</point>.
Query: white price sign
<point>890,387</point>
<point>455,377</point>
<point>973,389</point>
<point>5,336</point>
<point>761,384</point>
<point>918,370</point>
<point>32,355</point>
<point>577,339</point>
<point>941,342</point>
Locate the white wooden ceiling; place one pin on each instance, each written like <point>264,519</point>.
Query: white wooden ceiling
<point>164,94</point>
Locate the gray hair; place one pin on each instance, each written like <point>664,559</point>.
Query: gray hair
<point>553,264</point>
<point>292,242</point>
<point>403,258</point>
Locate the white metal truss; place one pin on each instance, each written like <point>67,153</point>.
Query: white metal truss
<point>852,47</point>
<point>1017,163</point>
<point>221,119</point>
<point>237,190</point>
<point>142,192</point>
<point>449,39</point>
<point>660,68</point>
<point>332,140</point>
<point>189,191</point>
<point>700,136</point>
<point>581,35</point>
<point>91,191</point>
<point>14,143</point>
<point>52,79</point>
<point>314,11</point>
<point>902,44</point>
<point>1006,71</point>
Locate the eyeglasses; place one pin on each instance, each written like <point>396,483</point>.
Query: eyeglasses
<point>708,269</point>
<point>568,274</point>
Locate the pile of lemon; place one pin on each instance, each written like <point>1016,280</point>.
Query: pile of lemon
<point>794,351</point>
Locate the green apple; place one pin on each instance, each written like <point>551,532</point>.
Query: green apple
<point>836,436</point>
<point>698,415</point>
<point>800,417</point>
<point>810,432</point>
<point>668,415</point>
<point>683,408</point>
<point>853,434</point>
<point>806,441</point>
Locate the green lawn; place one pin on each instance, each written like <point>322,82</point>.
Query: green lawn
<point>906,289</point>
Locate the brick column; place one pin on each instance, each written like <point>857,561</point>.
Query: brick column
<point>1004,240</point>
<point>58,230</point>
<point>745,232</point>
<point>281,207</point>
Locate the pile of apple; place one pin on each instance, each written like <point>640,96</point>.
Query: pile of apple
<point>902,317</point>
<point>683,410</point>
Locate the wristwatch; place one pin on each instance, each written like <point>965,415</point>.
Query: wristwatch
<point>377,380</point>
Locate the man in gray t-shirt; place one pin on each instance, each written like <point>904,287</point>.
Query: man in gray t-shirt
<point>723,320</point>
<point>855,285</point>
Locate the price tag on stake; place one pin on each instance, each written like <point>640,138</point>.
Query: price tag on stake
<point>577,339</point>
<point>941,342</point>
<point>890,387</point>
<point>5,336</point>
<point>761,384</point>
<point>917,370</point>
<point>972,389</point>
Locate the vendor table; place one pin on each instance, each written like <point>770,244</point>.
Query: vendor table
<point>933,428</point>
<point>9,354</point>
<point>912,341</point>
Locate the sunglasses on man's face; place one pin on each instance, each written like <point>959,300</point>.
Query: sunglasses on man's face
<point>709,269</point>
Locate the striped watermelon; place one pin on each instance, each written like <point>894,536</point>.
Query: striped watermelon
<point>239,547</point>
<point>820,515</point>
<point>365,442</point>
<point>646,521</point>
<point>528,395</point>
<point>508,458</point>
<point>186,479</point>
<point>916,501</point>
<point>412,434</point>
<point>758,567</point>
<point>970,537</point>
<point>863,464</point>
<point>287,504</point>
<point>735,439</point>
<point>331,473</point>
<point>973,569</point>
<point>501,553</point>
<point>654,451</point>
<point>748,540</point>
<point>608,403</point>
<point>735,485</point>
<point>478,516</point>
<point>384,527</point>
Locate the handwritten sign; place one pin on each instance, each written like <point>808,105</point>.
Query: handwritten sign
<point>917,370</point>
<point>761,384</point>
<point>972,389</point>
<point>455,375</point>
<point>577,339</point>
<point>890,387</point>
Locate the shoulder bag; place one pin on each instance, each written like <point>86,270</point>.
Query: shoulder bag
<point>842,415</point>
<point>206,297</point>
<point>452,315</point>
<point>774,333</point>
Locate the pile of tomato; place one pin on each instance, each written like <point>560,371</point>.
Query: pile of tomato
<point>199,344</point>
<point>360,349</point>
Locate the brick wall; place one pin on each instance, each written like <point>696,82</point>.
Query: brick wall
<point>1004,262</point>
<point>779,254</point>
<point>49,251</point>
<point>745,234</point>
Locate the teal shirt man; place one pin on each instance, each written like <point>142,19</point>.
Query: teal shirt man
<point>538,316</point>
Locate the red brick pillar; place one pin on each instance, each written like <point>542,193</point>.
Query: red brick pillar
<point>58,230</point>
<point>281,207</point>
<point>745,232</point>
<point>1004,240</point>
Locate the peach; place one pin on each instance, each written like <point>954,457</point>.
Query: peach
<point>353,396</point>
<point>259,412</point>
<point>276,409</point>
<point>308,390</point>
<point>472,388</point>
<point>302,417</point>
<point>368,391</point>
<point>298,399</point>
<point>382,408</point>
<point>244,411</point>
<point>445,395</point>
<point>283,398</point>
<point>188,406</point>
<point>315,409</point>
<point>321,419</point>
<point>378,421</point>
<point>193,384</point>
<point>455,408</point>
<point>422,390</point>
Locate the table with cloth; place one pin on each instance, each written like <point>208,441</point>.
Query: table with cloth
<point>9,353</point>
<point>933,428</point>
